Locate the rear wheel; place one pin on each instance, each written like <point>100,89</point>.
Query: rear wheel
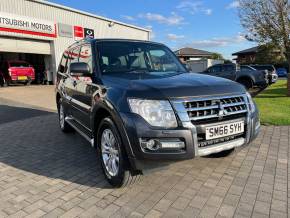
<point>64,126</point>
<point>113,156</point>
<point>27,83</point>
<point>7,83</point>
<point>2,81</point>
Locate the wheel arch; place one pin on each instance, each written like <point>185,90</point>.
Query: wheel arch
<point>102,112</point>
<point>246,78</point>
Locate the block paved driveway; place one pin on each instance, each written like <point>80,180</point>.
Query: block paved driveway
<point>45,173</point>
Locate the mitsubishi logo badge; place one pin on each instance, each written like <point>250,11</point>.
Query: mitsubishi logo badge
<point>222,111</point>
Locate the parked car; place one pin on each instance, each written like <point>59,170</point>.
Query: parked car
<point>281,72</point>
<point>17,72</point>
<point>136,103</point>
<point>245,75</point>
<point>271,71</point>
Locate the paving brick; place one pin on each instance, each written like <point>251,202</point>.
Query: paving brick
<point>52,174</point>
<point>153,214</point>
<point>226,210</point>
<point>262,207</point>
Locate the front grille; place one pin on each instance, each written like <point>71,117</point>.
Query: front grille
<point>211,110</point>
<point>216,109</point>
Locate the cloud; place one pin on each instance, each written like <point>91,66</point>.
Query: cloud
<point>208,11</point>
<point>127,17</point>
<point>174,37</point>
<point>217,42</point>
<point>173,19</point>
<point>234,4</point>
<point>194,7</point>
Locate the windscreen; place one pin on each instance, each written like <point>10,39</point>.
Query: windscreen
<point>137,57</point>
<point>18,64</point>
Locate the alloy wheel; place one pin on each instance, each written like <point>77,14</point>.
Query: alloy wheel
<point>110,152</point>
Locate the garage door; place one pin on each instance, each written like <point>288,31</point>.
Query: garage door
<point>24,46</point>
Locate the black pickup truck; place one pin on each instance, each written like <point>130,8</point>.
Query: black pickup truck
<point>244,74</point>
<point>135,102</point>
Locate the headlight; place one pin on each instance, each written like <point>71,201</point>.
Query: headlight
<point>156,113</point>
<point>251,103</point>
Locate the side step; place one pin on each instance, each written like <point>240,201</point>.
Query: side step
<point>83,131</point>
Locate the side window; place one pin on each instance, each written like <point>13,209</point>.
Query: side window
<point>215,69</point>
<point>162,61</point>
<point>86,55</point>
<point>73,56</point>
<point>227,68</point>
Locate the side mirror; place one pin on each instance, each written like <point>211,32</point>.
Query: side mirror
<point>79,69</point>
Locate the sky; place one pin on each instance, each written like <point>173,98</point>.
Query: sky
<point>211,25</point>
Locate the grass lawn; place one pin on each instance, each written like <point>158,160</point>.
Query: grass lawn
<point>274,105</point>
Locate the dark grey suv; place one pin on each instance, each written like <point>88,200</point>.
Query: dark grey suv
<point>245,75</point>
<point>136,103</point>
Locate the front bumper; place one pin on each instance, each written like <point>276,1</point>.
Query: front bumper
<point>136,129</point>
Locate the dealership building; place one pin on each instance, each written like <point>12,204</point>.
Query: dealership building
<point>38,31</point>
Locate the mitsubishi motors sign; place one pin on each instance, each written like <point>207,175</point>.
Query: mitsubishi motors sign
<point>26,25</point>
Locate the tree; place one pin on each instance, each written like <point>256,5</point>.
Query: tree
<point>269,54</point>
<point>217,56</point>
<point>267,21</point>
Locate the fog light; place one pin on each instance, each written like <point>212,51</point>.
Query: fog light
<point>151,144</point>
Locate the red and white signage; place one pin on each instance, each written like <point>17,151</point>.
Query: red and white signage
<point>27,25</point>
<point>78,32</point>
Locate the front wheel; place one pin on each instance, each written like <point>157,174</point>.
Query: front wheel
<point>247,83</point>
<point>113,156</point>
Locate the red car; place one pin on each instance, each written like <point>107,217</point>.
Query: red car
<point>16,72</point>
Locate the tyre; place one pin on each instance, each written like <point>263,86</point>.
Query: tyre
<point>7,83</point>
<point>2,82</point>
<point>247,83</point>
<point>64,126</point>
<point>27,83</point>
<point>113,156</point>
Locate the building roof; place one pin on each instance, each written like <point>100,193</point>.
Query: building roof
<point>87,14</point>
<point>247,51</point>
<point>192,52</point>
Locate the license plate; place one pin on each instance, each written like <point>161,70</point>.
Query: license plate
<point>22,78</point>
<point>223,130</point>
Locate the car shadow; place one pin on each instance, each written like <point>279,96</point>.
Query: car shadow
<point>12,113</point>
<point>30,140</point>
